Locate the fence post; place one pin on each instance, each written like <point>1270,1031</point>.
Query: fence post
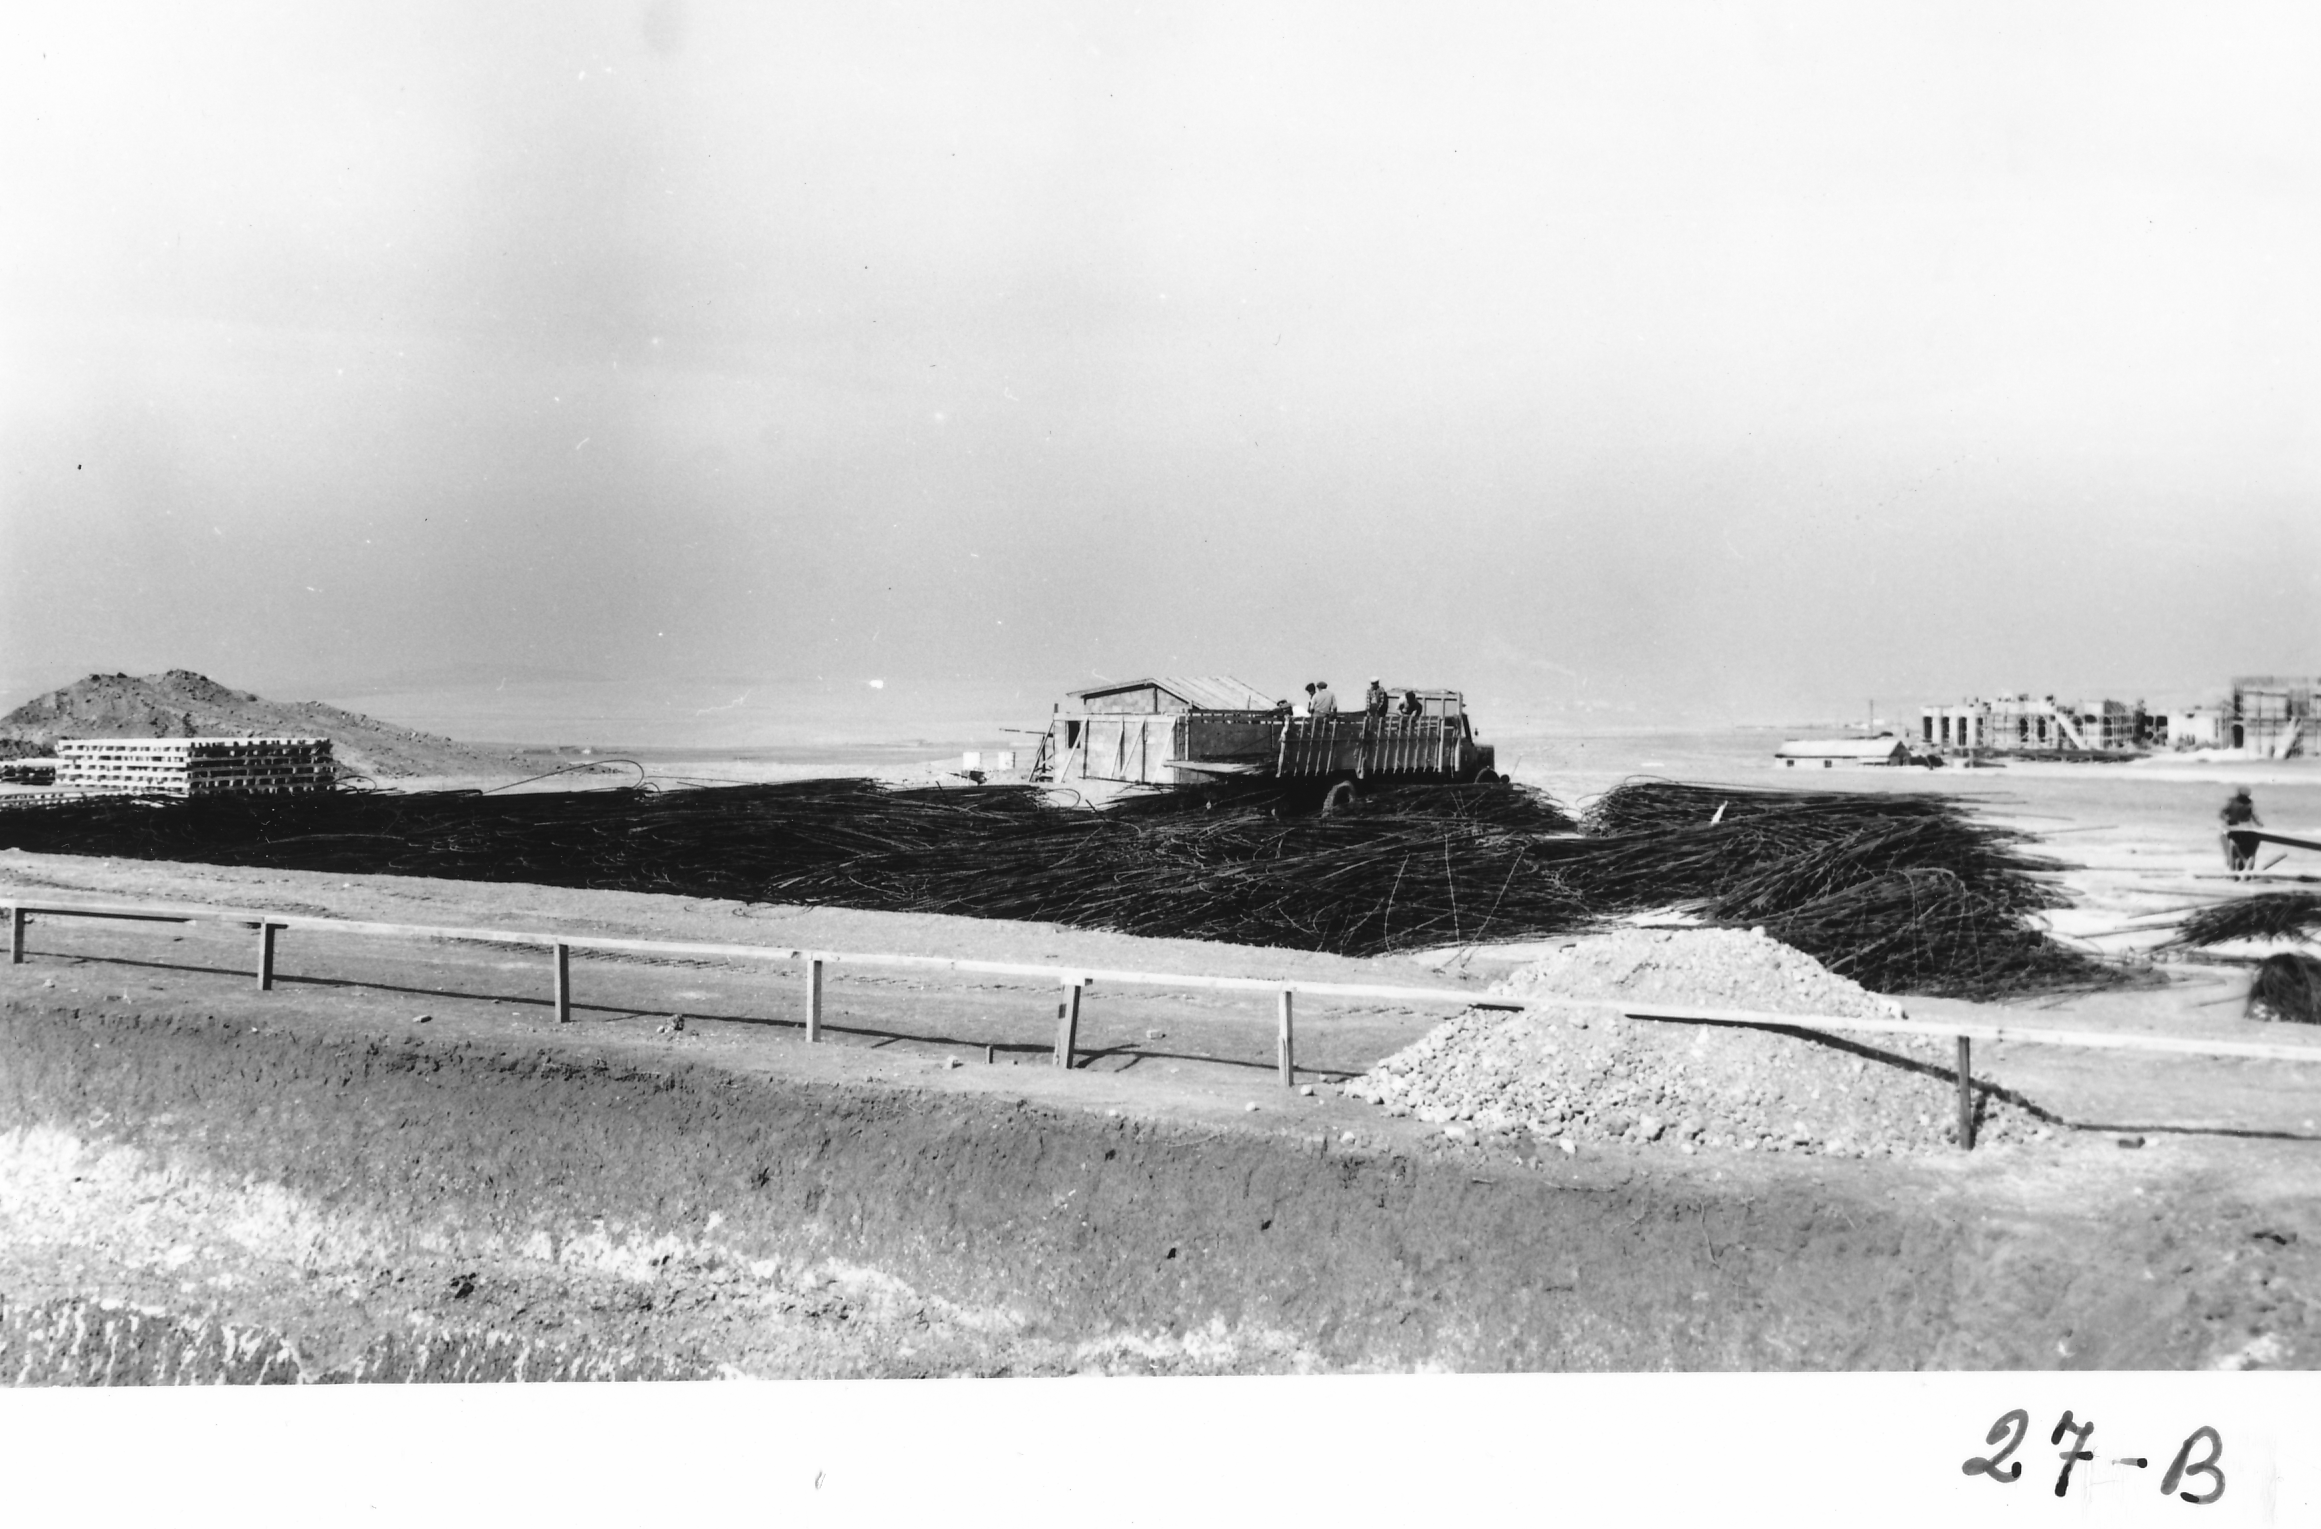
<point>15,935</point>
<point>266,933</point>
<point>1288,1057</point>
<point>1965,1095</point>
<point>563,983</point>
<point>1068,1023</point>
<point>813,999</point>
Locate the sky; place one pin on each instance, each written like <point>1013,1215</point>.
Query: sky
<point>1635,364</point>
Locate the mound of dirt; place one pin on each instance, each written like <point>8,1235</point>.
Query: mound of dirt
<point>182,704</point>
<point>1578,1074</point>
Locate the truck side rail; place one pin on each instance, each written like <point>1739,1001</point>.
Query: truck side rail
<point>1354,743</point>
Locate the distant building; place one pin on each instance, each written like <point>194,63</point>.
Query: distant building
<point>1829,753</point>
<point>2023,724</point>
<point>2272,715</point>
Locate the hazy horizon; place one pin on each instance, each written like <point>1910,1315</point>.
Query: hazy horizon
<point>1713,364</point>
<point>734,713</point>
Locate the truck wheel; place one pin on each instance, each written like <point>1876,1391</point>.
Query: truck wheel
<point>1338,800</point>
<point>1488,777</point>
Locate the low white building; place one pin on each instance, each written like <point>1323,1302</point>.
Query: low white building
<point>1830,753</point>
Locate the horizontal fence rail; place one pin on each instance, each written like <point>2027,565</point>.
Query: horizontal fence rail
<point>2034,1035</point>
<point>1076,979</point>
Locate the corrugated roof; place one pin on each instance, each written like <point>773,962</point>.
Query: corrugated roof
<point>1205,692</point>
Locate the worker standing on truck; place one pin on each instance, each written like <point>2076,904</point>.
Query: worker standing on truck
<point>2240,846</point>
<point>1411,705</point>
<point>1324,703</point>
<point>1374,699</point>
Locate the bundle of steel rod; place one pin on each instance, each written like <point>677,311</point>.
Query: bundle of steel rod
<point>2265,916</point>
<point>2286,989</point>
<point>711,842</point>
<point>1495,806</point>
<point>1903,893</point>
<point>1647,805</point>
<point>1349,885</point>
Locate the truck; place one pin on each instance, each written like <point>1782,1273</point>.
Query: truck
<point>1204,730</point>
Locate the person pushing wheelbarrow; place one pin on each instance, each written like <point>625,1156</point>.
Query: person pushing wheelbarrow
<point>2240,845</point>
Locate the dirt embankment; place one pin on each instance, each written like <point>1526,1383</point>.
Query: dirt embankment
<point>385,1206</point>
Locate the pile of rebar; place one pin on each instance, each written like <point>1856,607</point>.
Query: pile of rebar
<point>2264,916</point>
<point>1901,892</point>
<point>2286,989</point>
<point>1397,877</point>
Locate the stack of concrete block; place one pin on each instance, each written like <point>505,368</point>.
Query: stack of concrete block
<point>195,766</point>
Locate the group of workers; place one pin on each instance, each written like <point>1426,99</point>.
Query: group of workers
<point>1321,702</point>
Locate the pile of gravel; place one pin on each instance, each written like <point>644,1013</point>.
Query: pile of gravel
<point>1577,1075</point>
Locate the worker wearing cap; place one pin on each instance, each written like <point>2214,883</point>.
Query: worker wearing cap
<point>2240,847</point>
<point>1374,699</point>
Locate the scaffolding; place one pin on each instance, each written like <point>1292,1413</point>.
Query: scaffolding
<point>2036,725</point>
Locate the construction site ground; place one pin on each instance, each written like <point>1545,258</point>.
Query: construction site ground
<point>924,1193</point>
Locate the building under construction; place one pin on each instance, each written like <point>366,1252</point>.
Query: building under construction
<point>2041,726</point>
<point>2269,717</point>
<point>2272,715</point>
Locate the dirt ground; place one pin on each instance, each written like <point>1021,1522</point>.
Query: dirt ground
<point>203,1180</point>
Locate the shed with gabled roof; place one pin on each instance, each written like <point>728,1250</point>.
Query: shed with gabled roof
<point>1142,731</point>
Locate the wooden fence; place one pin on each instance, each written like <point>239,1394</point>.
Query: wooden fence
<point>1075,981</point>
